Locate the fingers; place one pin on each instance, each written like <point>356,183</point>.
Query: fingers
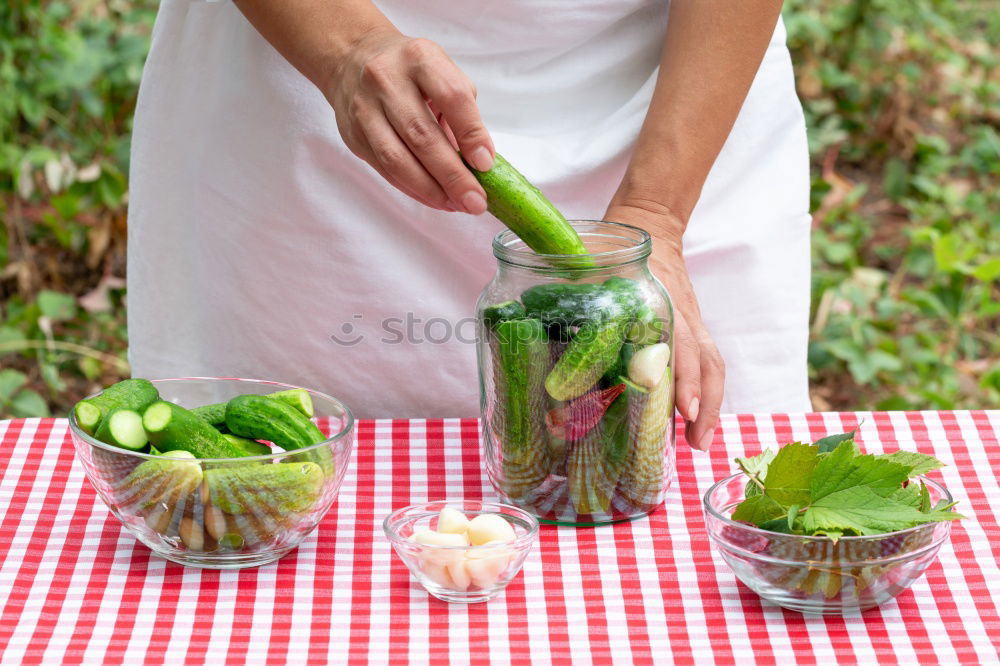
<point>382,148</point>
<point>688,369</point>
<point>713,381</point>
<point>455,98</point>
<point>418,128</point>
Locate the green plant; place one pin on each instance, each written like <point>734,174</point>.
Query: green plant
<point>901,100</point>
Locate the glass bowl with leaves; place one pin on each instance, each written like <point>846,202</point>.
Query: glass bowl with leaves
<point>825,528</point>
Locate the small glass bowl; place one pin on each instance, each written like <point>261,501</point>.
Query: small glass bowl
<point>171,506</point>
<point>816,574</point>
<point>461,574</point>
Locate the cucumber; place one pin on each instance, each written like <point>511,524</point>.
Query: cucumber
<point>214,414</point>
<point>590,489</point>
<point>260,417</point>
<point>252,489</point>
<point>620,368</point>
<point>171,428</point>
<point>123,428</point>
<point>134,394</point>
<point>591,353</point>
<point>249,446</point>
<point>168,480</point>
<point>647,329</point>
<point>525,210</point>
<point>298,398</point>
<point>520,361</point>
<point>494,314</point>
<point>649,413</point>
<point>566,305</point>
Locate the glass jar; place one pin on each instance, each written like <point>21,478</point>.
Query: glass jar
<point>576,378</point>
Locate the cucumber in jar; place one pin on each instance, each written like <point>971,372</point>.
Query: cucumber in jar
<point>521,359</point>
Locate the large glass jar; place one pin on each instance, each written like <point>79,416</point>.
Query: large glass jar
<point>576,378</point>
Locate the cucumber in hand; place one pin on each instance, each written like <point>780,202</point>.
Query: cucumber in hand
<point>525,210</point>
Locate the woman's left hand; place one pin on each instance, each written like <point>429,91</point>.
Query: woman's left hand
<point>700,371</point>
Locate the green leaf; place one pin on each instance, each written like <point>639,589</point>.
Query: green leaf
<point>789,474</point>
<point>755,467</point>
<point>845,469</point>
<point>988,271</point>
<point>56,306</point>
<point>758,510</point>
<point>908,495</point>
<point>828,444</point>
<point>10,382</point>
<point>918,463</point>
<point>925,498</point>
<point>28,403</point>
<point>862,510</point>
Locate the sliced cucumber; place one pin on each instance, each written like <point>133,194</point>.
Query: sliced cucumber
<point>134,394</point>
<point>297,398</point>
<point>172,427</point>
<point>123,428</point>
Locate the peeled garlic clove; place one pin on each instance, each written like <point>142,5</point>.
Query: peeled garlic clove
<point>648,365</point>
<point>442,556</point>
<point>488,527</point>
<point>452,521</point>
<point>485,572</point>
<point>459,575</point>
<point>192,534</point>
<point>215,522</point>
<point>437,573</point>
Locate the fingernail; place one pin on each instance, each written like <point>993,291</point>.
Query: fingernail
<point>706,440</point>
<point>474,203</point>
<point>481,159</point>
<point>693,409</point>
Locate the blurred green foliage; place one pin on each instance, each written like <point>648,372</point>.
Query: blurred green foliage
<point>902,99</point>
<point>903,104</point>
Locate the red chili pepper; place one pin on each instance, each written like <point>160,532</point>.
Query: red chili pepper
<point>579,416</point>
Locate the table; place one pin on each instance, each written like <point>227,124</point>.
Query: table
<point>74,587</point>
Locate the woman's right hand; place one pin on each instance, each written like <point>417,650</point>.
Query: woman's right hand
<point>404,107</point>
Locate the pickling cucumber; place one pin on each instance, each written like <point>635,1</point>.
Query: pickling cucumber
<point>297,398</point>
<point>134,394</point>
<point>521,360</point>
<point>591,352</point>
<point>123,428</point>
<point>215,413</point>
<point>494,314</point>
<point>564,305</point>
<point>249,446</point>
<point>171,427</point>
<point>525,210</point>
<point>260,417</point>
<point>649,412</point>
<point>647,329</point>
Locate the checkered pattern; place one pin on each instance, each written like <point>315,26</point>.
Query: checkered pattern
<point>74,587</point>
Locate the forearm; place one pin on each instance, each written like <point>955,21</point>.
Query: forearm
<point>711,54</point>
<point>314,35</point>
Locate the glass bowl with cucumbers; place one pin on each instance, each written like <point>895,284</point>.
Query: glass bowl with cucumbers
<point>576,373</point>
<point>213,472</point>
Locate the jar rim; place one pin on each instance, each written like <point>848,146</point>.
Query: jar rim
<point>636,245</point>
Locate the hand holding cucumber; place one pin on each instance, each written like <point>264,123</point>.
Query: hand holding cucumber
<point>701,372</point>
<point>405,108</point>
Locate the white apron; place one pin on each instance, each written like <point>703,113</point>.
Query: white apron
<point>259,246</point>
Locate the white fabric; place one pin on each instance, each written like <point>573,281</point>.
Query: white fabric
<point>255,235</point>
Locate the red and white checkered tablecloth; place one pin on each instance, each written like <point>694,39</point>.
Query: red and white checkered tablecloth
<point>75,588</point>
